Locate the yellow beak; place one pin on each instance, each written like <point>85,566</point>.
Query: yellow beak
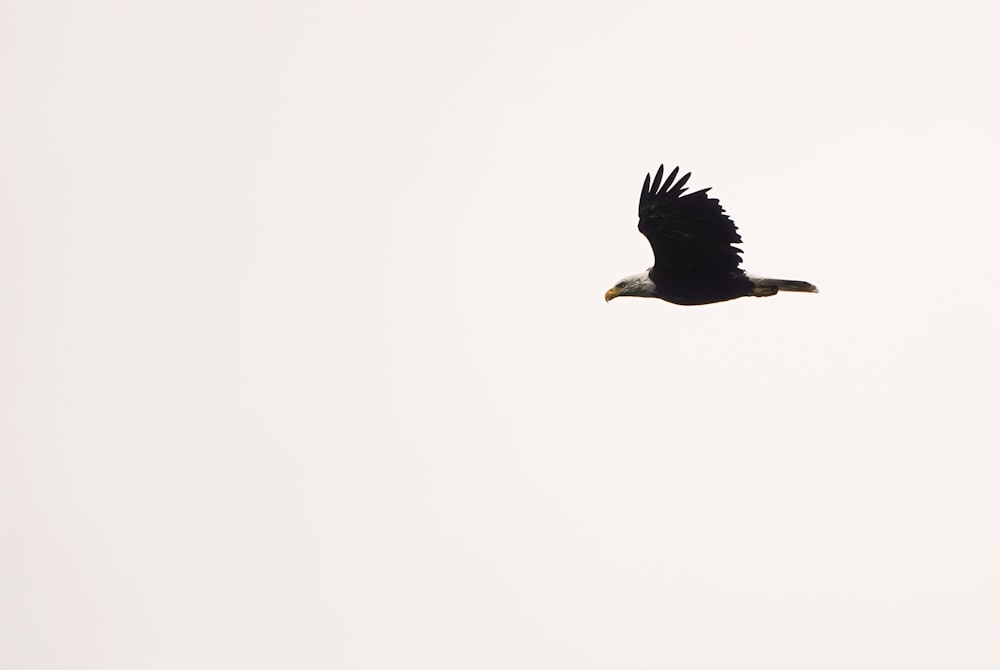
<point>610,295</point>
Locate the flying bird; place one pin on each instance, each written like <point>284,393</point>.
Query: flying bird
<point>695,262</point>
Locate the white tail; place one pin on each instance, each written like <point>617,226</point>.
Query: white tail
<point>763,286</point>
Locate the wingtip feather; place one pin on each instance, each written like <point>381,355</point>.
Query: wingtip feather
<point>656,182</point>
<point>683,180</point>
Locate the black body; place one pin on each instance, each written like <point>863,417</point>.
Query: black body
<point>692,239</point>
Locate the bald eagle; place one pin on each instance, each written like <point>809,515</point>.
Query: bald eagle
<point>694,260</point>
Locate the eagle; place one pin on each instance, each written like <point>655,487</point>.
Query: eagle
<point>695,262</point>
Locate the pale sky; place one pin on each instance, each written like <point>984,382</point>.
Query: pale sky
<point>306,362</point>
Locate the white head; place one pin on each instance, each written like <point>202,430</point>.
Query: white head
<point>639,285</point>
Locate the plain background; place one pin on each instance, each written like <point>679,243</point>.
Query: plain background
<point>306,363</point>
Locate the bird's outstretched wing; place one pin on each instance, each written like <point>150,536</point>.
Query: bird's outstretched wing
<point>691,234</point>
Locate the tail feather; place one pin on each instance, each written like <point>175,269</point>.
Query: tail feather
<point>763,286</point>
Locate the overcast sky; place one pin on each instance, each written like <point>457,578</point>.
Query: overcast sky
<point>305,360</point>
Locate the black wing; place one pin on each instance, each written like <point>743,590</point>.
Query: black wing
<point>691,234</point>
